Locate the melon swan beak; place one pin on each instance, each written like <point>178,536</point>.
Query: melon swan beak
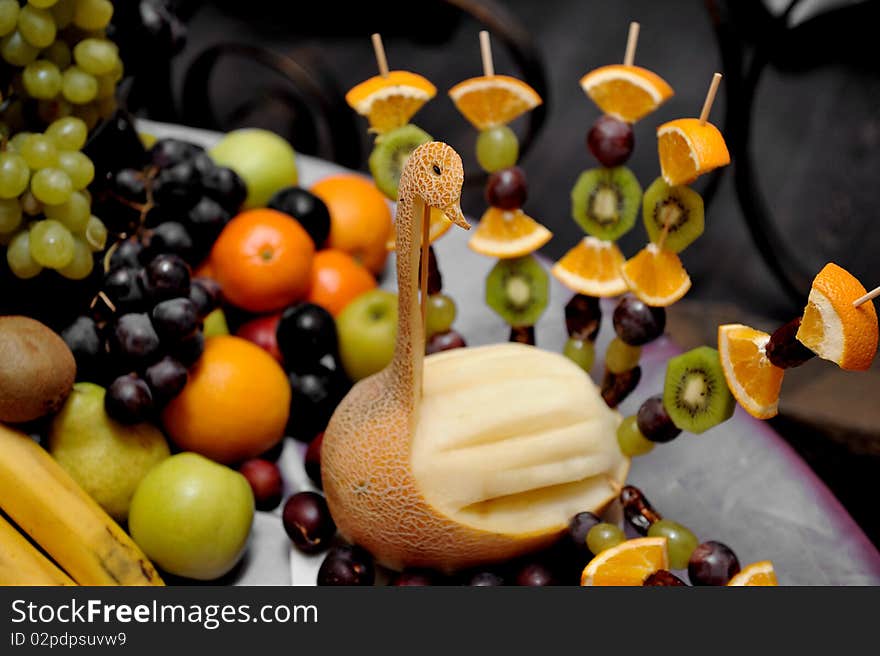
<point>453,213</point>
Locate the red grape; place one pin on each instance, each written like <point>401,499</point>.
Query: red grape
<point>308,522</point>
<point>265,481</point>
<point>506,189</point>
<point>636,323</point>
<point>712,563</point>
<point>654,422</point>
<point>611,141</point>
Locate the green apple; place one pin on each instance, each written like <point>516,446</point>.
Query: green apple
<point>192,516</point>
<point>215,324</point>
<point>106,458</point>
<point>265,162</point>
<point>367,329</point>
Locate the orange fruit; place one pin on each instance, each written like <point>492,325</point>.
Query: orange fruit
<point>832,328</point>
<point>492,100</point>
<point>262,259</point>
<point>360,218</point>
<point>440,225</point>
<point>688,149</point>
<point>627,93</point>
<point>235,405</point>
<point>505,234</point>
<point>629,563</point>
<point>389,102</point>
<point>656,276</point>
<point>592,268</point>
<point>751,377</point>
<point>756,574</point>
<point>336,280</point>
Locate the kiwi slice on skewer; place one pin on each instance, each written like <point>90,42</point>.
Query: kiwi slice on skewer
<point>695,393</point>
<point>680,208</point>
<point>390,153</point>
<point>517,289</point>
<point>605,202</point>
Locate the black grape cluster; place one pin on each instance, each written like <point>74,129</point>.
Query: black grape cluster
<point>145,334</point>
<point>177,201</point>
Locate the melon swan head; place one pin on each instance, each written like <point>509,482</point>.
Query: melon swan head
<point>470,456</point>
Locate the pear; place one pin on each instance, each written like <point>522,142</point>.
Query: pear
<point>106,458</point>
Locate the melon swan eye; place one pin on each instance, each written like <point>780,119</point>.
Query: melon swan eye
<point>437,170</point>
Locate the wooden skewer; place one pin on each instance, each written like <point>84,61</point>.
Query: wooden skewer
<point>614,485</point>
<point>423,274</point>
<point>486,53</point>
<point>379,49</point>
<point>870,296</point>
<point>631,42</point>
<point>710,98</point>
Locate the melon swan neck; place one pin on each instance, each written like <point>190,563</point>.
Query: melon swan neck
<point>409,351</point>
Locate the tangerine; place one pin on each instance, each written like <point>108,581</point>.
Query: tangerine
<point>235,405</point>
<point>337,279</point>
<point>262,260</point>
<point>360,218</point>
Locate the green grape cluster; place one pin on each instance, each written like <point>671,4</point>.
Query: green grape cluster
<point>62,61</point>
<point>45,208</point>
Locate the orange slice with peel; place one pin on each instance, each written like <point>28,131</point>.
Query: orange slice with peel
<point>688,149</point>
<point>753,380</point>
<point>592,268</point>
<point>508,233</point>
<point>440,225</point>
<point>756,574</point>
<point>391,101</point>
<point>655,276</point>
<point>492,100</point>
<point>629,563</point>
<point>627,93</point>
<point>832,328</point>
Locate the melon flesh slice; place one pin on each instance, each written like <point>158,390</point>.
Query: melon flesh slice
<point>513,440</point>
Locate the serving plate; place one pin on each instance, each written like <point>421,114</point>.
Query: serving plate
<point>739,483</point>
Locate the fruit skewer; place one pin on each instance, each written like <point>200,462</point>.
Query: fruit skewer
<point>389,100</point>
<point>517,287</point>
<point>695,396</point>
<point>605,202</point>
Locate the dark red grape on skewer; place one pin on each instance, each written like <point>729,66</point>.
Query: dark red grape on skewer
<point>712,563</point>
<point>611,141</point>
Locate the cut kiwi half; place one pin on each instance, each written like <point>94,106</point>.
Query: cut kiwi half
<point>518,289</point>
<point>695,393</point>
<point>390,153</point>
<point>605,202</point>
<point>680,208</point>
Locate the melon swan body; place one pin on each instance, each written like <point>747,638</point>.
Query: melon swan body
<point>469,456</point>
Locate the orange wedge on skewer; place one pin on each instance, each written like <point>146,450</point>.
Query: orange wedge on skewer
<point>492,100</point>
<point>508,233</point>
<point>592,268</point>
<point>688,149</point>
<point>629,563</point>
<point>655,276</point>
<point>439,226</point>
<point>832,328</point>
<point>753,380</point>
<point>756,574</point>
<point>391,101</point>
<point>627,93</point>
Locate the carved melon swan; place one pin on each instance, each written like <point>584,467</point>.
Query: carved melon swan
<point>469,456</point>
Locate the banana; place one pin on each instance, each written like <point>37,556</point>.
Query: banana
<point>22,564</point>
<point>48,505</point>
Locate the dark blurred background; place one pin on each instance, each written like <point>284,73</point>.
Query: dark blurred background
<point>799,106</point>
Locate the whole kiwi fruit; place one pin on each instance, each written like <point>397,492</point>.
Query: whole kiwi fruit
<point>37,370</point>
